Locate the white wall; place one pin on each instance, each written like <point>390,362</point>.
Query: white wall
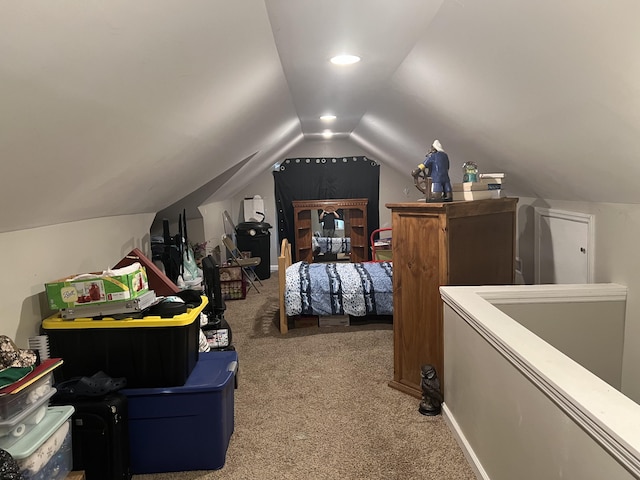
<point>395,186</point>
<point>589,333</point>
<point>31,258</point>
<point>617,229</point>
<point>212,223</point>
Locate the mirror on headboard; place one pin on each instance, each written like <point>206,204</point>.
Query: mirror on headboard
<point>351,242</point>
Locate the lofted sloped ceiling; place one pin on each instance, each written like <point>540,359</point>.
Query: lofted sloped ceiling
<point>120,107</point>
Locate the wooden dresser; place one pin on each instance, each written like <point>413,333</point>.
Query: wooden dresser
<point>434,244</point>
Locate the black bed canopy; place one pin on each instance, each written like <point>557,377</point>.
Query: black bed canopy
<point>317,178</point>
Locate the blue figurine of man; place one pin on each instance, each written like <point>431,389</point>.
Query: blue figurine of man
<point>437,164</point>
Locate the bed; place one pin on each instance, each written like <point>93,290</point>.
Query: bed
<point>361,289</point>
<point>331,245</point>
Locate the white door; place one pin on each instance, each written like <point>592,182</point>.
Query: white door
<point>563,247</point>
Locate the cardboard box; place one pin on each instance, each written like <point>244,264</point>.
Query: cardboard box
<point>234,290</point>
<point>95,288</point>
<point>228,274</point>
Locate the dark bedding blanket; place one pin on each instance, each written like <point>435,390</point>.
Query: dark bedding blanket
<point>357,289</point>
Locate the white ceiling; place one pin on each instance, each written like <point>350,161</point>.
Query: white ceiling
<point>120,107</point>
<point>307,34</point>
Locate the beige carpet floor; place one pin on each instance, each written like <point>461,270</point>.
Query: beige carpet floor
<point>315,404</point>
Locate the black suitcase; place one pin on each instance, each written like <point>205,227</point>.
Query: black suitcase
<point>100,436</point>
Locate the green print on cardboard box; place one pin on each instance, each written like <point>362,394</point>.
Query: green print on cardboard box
<point>97,288</point>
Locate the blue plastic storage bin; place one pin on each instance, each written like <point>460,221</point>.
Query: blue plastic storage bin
<point>184,428</point>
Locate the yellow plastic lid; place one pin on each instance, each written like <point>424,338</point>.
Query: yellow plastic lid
<point>187,318</point>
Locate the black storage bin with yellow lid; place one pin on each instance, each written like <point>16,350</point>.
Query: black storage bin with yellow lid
<point>149,352</point>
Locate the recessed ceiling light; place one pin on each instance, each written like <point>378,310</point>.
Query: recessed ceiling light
<point>327,134</point>
<point>345,59</point>
<point>327,118</point>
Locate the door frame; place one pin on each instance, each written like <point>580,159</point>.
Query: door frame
<point>586,218</point>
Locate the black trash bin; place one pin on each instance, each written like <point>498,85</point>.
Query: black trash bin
<point>255,237</point>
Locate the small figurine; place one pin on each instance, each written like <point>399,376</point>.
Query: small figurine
<point>436,168</point>
<point>437,162</point>
<point>431,395</point>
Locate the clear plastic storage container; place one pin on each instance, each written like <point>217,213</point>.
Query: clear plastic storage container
<point>13,403</point>
<point>14,428</point>
<point>45,452</point>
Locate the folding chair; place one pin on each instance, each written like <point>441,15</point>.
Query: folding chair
<point>381,248</point>
<point>246,264</point>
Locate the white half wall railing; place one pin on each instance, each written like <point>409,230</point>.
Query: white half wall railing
<point>523,409</point>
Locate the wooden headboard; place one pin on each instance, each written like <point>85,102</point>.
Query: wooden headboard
<point>284,260</point>
<point>356,220</point>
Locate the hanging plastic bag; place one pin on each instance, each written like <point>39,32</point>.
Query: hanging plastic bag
<point>191,271</point>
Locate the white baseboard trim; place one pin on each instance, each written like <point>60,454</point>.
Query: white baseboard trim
<point>464,445</point>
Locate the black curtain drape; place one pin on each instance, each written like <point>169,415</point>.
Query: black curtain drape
<point>325,178</point>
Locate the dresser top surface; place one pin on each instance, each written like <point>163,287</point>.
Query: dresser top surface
<point>460,207</point>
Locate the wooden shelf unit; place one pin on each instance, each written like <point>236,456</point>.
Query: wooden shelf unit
<point>434,244</point>
<point>355,213</point>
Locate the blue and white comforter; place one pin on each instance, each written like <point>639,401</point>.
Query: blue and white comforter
<point>331,244</point>
<point>357,289</point>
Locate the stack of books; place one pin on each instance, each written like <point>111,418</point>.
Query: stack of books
<point>489,185</point>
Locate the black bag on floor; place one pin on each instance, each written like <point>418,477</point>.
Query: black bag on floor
<point>100,436</point>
